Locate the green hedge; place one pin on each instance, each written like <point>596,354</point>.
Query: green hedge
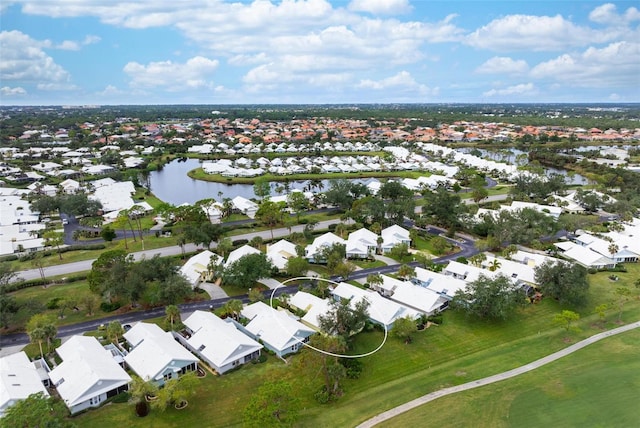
<point>15,286</point>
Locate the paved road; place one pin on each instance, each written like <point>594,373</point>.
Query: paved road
<point>85,265</point>
<point>130,317</point>
<point>495,378</point>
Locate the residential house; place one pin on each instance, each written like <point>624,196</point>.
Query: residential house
<point>88,374</point>
<point>313,252</point>
<point>218,342</point>
<point>155,355</point>
<point>361,244</point>
<point>584,256</point>
<point>238,253</point>
<point>278,330</point>
<point>280,252</point>
<point>381,311</point>
<point>245,206</point>
<point>19,378</point>
<point>394,235</point>
<point>409,294</point>
<point>313,306</point>
<point>196,269</point>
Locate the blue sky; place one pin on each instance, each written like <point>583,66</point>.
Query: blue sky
<point>73,52</point>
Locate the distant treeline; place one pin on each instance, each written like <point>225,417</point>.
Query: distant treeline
<point>14,120</point>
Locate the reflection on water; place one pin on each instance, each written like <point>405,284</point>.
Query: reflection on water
<point>173,185</point>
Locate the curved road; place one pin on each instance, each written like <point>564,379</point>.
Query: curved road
<point>384,416</point>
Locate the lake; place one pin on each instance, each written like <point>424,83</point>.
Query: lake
<point>174,186</point>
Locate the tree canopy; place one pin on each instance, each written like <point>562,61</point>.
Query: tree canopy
<point>247,270</point>
<point>563,281</point>
<point>489,298</point>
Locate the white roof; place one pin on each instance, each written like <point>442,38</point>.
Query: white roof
<point>438,282</point>
<point>325,240</point>
<point>87,370</point>
<point>217,340</point>
<point>381,310</point>
<point>419,298</point>
<point>467,272</point>
<point>393,235</point>
<point>238,253</point>
<point>584,255</point>
<point>193,268</point>
<point>280,252</point>
<point>244,204</point>
<point>19,378</point>
<point>154,351</point>
<point>275,328</point>
<point>361,240</point>
<point>312,305</point>
<point>115,196</point>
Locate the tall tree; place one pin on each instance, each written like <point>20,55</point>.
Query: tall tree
<point>40,329</point>
<point>114,331</point>
<point>563,281</point>
<point>54,239</point>
<point>37,410</point>
<point>344,318</point>
<point>403,328</point>
<point>271,214</point>
<point>247,270</point>
<point>443,207</point>
<point>298,203</point>
<point>489,298</point>
<point>172,313</point>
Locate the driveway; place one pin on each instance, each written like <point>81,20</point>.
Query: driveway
<point>214,290</point>
<point>270,282</point>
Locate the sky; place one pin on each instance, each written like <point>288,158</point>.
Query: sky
<point>114,52</point>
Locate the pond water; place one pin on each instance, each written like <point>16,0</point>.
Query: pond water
<point>174,186</point>
<point>519,157</point>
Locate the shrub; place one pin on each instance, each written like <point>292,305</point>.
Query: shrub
<point>262,358</point>
<point>54,303</point>
<point>332,227</point>
<point>353,366</point>
<point>123,397</point>
<point>109,307</point>
<point>462,260</point>
<point>240,242</point>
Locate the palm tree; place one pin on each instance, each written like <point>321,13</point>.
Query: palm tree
<point>173,313</point>
<point>374,279</point>
<point>114,331</point>
<point>38,335</point>
<point>613,249</point>
<point>182,241</point>
<point>41,328</point>
<point>494,265</point>
<point>233,307</point>
<point>406,271</point>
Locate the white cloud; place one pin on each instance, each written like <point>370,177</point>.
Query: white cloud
<point>615,65</point>
<point>516,90</point>
<point>23,59</point>
<point>608,14</point>
<point>6,91</point>
<point>68,45</point>
<point>193,74</point>
<point>499,64</point>
<point>54,86</point>
<point>400,81</point>
<point>534,33</point>
<point>381,7</point>
<point>110,90</point>
<point>90,39</point>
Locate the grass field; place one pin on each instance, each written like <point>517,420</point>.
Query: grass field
<point>458,351</point>
<point>597,386</point>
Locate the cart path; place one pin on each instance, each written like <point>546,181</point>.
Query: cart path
<point>495,378</point>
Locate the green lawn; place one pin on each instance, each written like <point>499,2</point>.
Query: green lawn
<point>457,351</point>
<point>596,386</point>
<point>368,264</point>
